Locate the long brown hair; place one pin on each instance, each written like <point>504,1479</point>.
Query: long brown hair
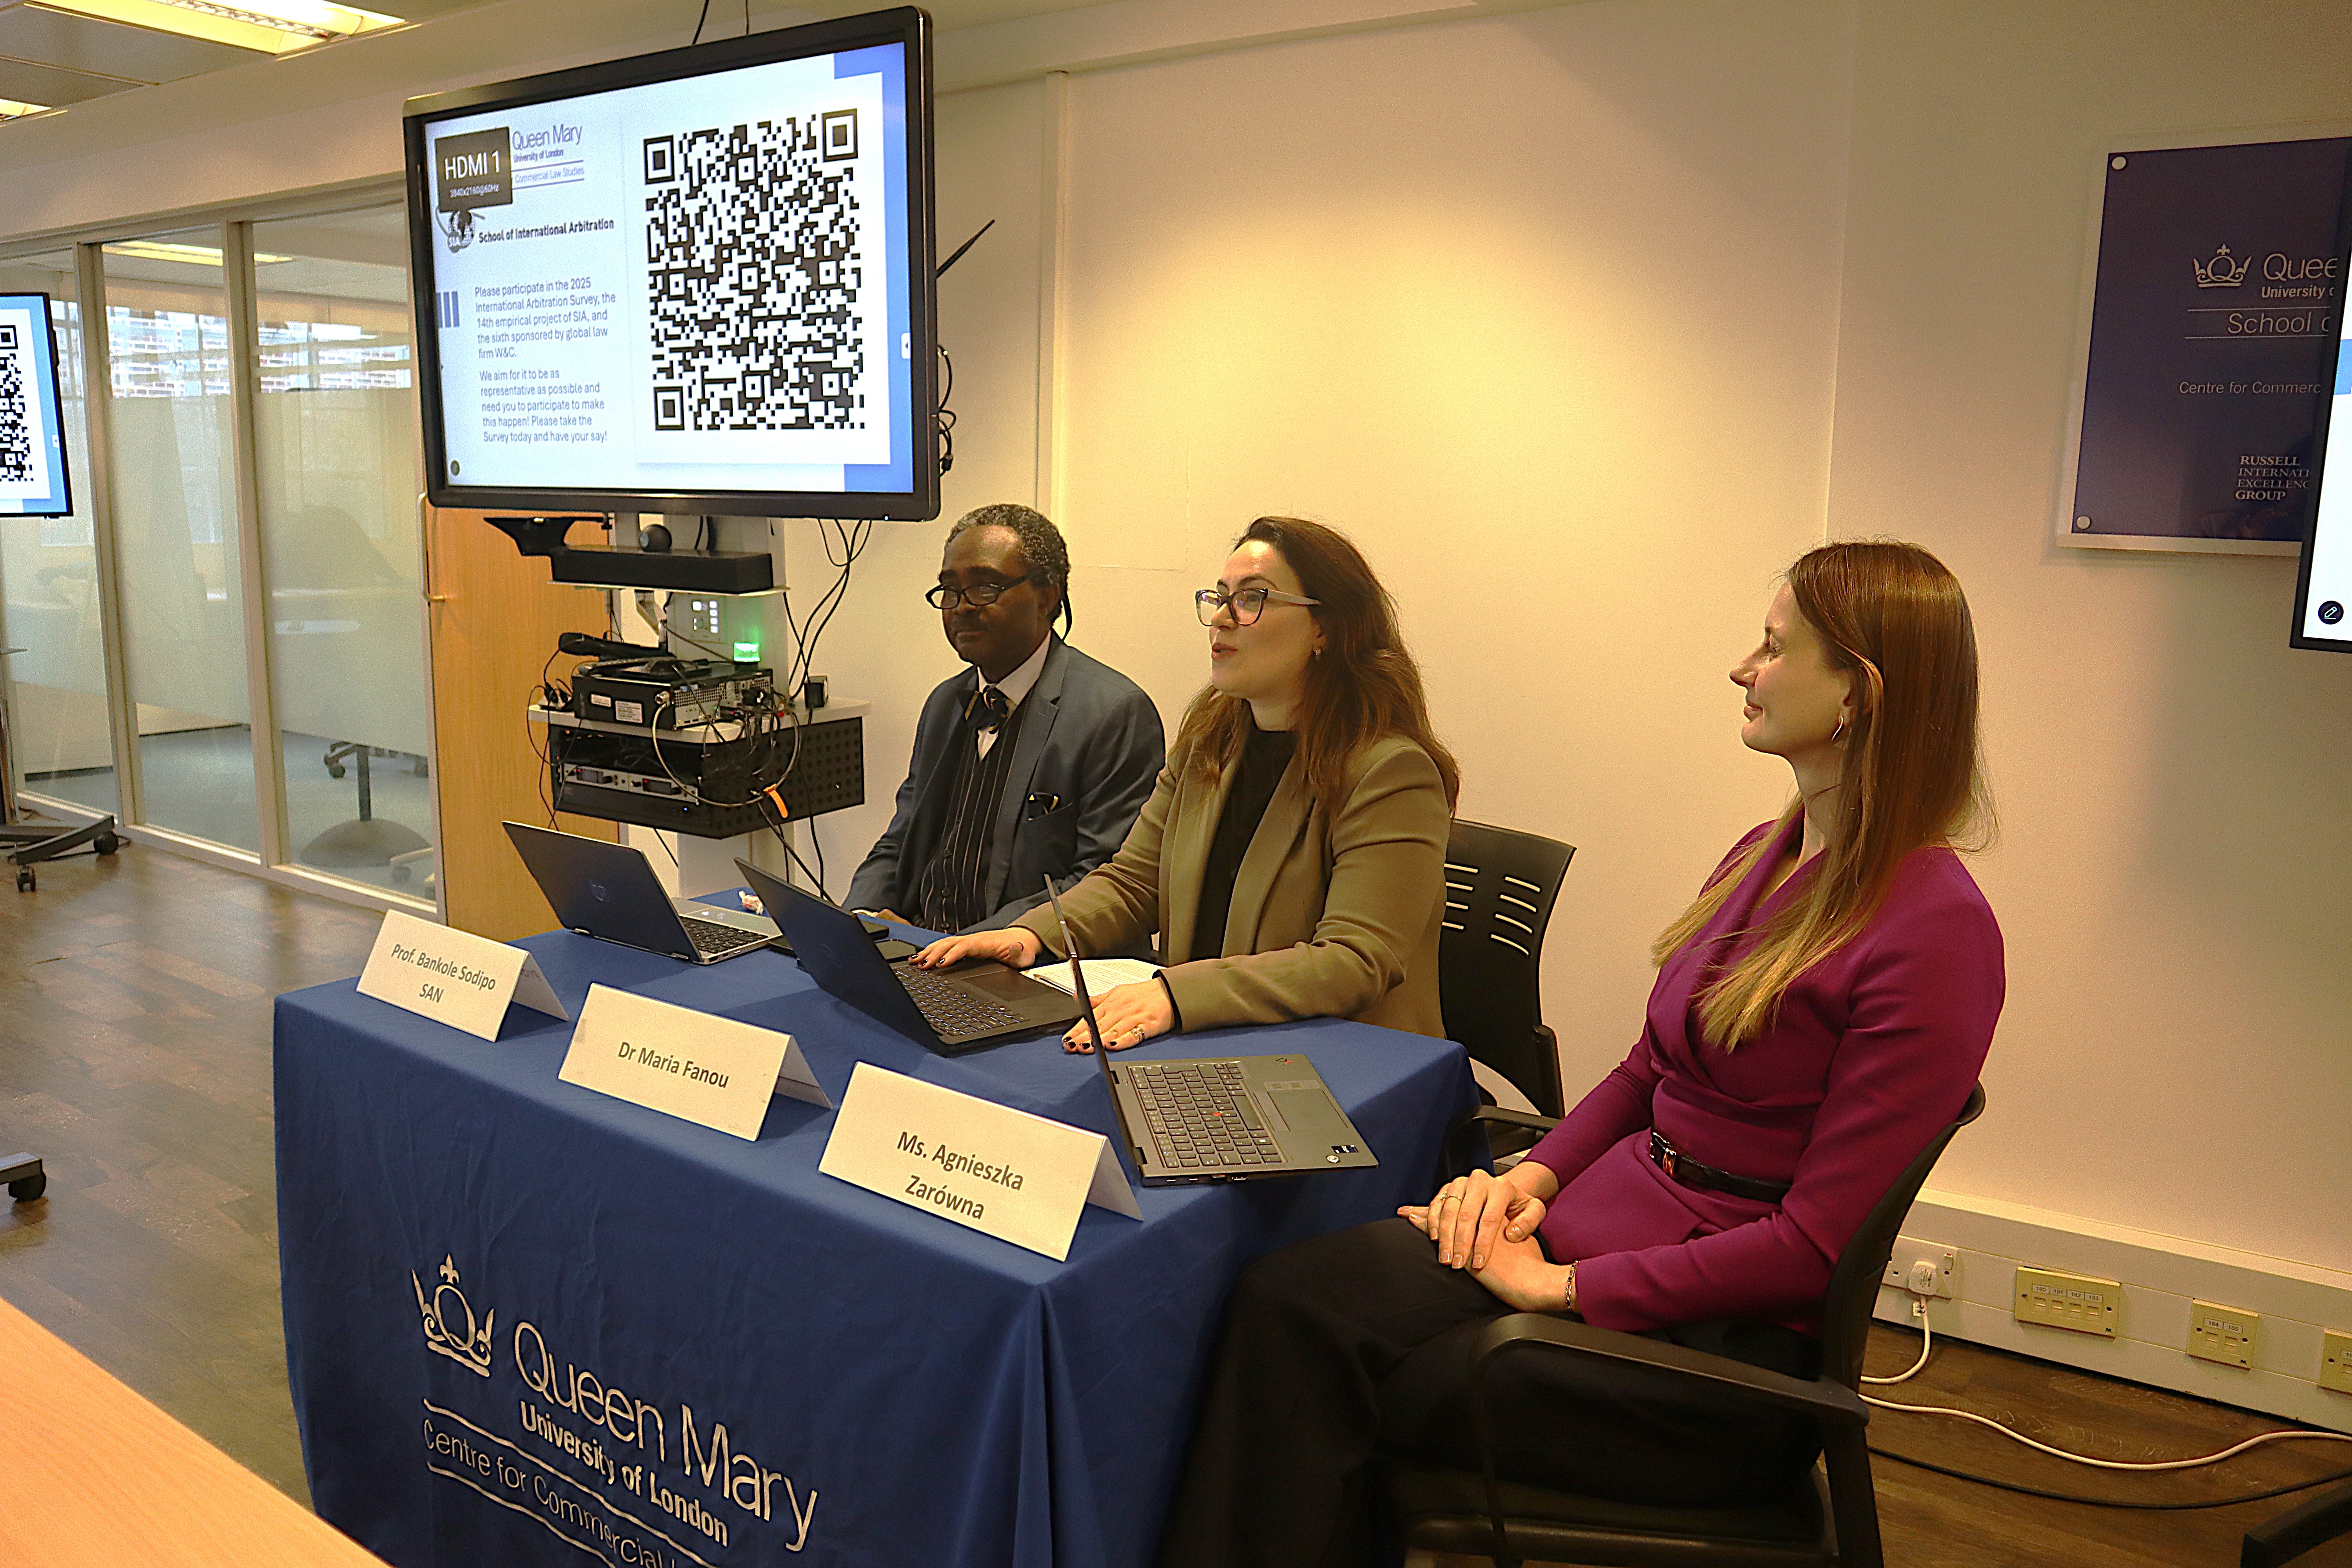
<point>1893,616</point>
<point>1362,686</point>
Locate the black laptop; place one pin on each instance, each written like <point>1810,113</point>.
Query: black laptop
<point>605,889</point>
<point>951,1012</point>
<point>1219,1119</point>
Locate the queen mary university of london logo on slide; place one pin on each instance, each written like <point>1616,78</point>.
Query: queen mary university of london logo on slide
<point>448,1322</point>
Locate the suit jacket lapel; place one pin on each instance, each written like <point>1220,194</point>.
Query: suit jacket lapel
<point>1184,857</point>
<point>1278,831</point>
<point>1037,711</point>
<point>938,764</point>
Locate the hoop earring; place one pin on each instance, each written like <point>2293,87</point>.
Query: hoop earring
<point>1837,733</point>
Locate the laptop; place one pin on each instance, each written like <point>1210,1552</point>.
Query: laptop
<point>608,891</point>
<point>952,1012</point>
<point>1219,1119</point>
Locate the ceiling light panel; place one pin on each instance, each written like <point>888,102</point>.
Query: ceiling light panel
<point>266,27</point>
<point>17,108</point>
<point>132,57</point>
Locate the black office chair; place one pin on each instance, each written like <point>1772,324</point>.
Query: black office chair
<point>2287,1537</point>
<point>1828,1522</point>
<point>1499,889</point>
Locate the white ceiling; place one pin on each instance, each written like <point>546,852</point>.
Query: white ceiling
<point>59,60</point>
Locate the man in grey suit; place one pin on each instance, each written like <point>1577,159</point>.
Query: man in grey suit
<point>1033,762</point>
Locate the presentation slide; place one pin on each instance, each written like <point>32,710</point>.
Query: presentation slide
<point>692,285</point>
<point>2330,595</point>
<point>32,437</point>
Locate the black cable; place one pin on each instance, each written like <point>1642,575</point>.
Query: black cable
<point>697,26</point>
<point>2113,1502</point>
<point>945,418</point>
<point>548,697</point>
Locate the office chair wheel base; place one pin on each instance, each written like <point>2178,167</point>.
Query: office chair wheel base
<point>31,1188</point>
<point>106,843</point>
<point>24,883</point>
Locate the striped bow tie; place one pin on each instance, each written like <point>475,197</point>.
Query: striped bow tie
<point>988,709</point>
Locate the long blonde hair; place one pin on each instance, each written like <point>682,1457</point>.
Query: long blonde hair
<point>1894,616</point>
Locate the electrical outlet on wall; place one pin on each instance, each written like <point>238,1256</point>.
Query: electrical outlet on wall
<point>2221,1333</point>
<point>1923,1267</point>
<point>2079,1301</point>
<point>2335,1361</point>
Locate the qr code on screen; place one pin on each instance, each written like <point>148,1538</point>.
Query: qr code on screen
<point>753,269</point>
<point>15,419</point>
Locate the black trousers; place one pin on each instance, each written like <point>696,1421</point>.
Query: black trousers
<point>1359,1343</point>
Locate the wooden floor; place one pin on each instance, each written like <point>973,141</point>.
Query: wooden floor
<point>134,1057</point>
<point>1933,1521</point>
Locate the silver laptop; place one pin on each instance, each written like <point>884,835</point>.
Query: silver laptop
<point>1219,1119</point>
<point>609,890</point>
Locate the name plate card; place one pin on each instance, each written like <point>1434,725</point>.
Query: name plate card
<point>1009,1175</point>
<point>452,976</point>
<point>694,1066</point>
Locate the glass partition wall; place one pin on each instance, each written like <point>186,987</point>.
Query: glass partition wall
<point>59,731</point>
<point>225,644</point>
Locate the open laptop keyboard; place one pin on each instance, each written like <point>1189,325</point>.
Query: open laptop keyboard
<point>951,1009</point>
<point>1201,1117</point>
<point>711,937</point>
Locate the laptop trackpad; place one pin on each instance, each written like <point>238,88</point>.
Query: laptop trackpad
<point>1302,1106</point>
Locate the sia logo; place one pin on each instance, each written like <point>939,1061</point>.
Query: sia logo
<point>470,1348</point>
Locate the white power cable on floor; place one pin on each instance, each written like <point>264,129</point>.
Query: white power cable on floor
<point>1920,1310</point>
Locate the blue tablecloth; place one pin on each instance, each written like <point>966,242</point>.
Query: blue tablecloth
<point>659,1344</point>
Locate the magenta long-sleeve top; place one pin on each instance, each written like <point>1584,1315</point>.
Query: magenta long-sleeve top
<point>1873,1053</point>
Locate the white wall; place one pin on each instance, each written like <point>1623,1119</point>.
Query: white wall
<point>1541,309</point>
<point>1578,321</point>
<point>2176,1051</point>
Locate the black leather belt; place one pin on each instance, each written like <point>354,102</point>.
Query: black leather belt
<point>1691,1172</point>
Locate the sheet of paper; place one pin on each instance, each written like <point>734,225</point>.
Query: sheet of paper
<point>718,1072</point>
<point>452,976</point>
<point>1006,1173</point>
<point>1102,973</point>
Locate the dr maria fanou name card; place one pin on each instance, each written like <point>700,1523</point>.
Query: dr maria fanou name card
<point>1014,1176</point>
<point>694,1066</point>
<point>452,977</point>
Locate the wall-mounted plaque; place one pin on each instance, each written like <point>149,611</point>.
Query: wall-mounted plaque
<point>2216,290</point>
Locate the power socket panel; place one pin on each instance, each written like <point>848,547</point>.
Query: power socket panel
<point>2335,1361</point>
<point>1914,1264</point>
<point>2078,1302</point>
<point>2224,1334</point>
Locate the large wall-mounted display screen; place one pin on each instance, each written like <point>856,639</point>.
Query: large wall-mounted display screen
<point>33,478</point>
<point>696,282</point>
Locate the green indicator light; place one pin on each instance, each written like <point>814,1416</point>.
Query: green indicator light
<point>748,652</point>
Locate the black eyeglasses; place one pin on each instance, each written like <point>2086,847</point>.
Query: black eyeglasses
<point>1246,603</point>
<point>980,595</point>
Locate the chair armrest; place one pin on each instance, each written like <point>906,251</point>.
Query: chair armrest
<point>1823,1399</point>
<point>1452,1158</point>
<point>1830,1402</point>
<point>2285,1537</point>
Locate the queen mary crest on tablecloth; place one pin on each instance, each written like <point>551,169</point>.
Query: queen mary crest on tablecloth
<point>469,1348</point>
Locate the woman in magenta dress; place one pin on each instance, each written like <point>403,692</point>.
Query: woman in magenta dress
<point>1822,1010</point>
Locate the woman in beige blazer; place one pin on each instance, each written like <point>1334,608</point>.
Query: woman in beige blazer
<point>1292,857</point>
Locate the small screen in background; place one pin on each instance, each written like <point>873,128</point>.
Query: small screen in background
<point>33,478</point>
<point>2327,596</point>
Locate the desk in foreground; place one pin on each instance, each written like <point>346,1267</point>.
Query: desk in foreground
<point>95,1474</point>
<point>526,1322</point>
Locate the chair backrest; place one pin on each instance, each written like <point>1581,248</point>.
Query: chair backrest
<point>1853,1284</point>
<point>1499,889</point>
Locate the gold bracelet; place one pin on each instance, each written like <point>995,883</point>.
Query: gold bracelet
<point>1571,1287</point>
